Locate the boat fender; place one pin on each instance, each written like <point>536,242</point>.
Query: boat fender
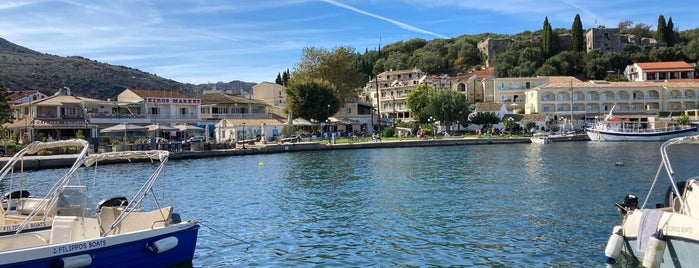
<point>616,241</point>
<point>74,261</point>
<point>162,245</point>
<point>654,250</point>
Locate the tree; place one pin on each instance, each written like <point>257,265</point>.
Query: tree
<point>418,101</point>
<point>337,67</point>
<point>670,33</point>
<point>310,99</point>
<point>528,125</point>
<point>577,36</point>
<point>661,30</point>
<point>279,81</point>
<point>448,107</point>
<point>484,118</point>
<point>548,40</point>
<point>6,112</point>
<point>510,125</point>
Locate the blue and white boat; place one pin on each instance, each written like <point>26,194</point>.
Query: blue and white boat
<point>613,128</point>
<point>18,202</point>
<point>664,234</point>
<point>115,233</point>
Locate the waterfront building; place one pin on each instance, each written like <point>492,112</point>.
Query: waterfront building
<point>660,71</point>
<point>55,117</point>
<point>388,93</point>
<point>585,100</point>
<point>15,97</point>
<point>270,93</point>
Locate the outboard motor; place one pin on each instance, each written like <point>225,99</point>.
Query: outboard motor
<point>630,203</point>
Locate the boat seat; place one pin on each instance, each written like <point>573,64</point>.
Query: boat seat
<point>24,240</point>
<point>136,221</point>
<point>73,228</point>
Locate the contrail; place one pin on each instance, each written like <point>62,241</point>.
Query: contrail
<point>394,22</point>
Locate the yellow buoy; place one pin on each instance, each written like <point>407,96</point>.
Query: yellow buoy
<point>261,164</point>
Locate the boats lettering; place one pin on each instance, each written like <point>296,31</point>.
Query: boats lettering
<point>678,229</point>
<point>14,227</point>
<point>79,246</point>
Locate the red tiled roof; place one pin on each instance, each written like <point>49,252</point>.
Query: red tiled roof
<point>483,72</point>
<point>665,66</point>
<point>158,93</point>
<point>17,94</point>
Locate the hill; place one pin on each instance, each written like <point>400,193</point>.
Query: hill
<point>24,69</point>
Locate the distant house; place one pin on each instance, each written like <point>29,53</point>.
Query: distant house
<point>55,117</point>
<point>498,109</point>
<point>23,96</point>
<point>660,71</point>
<point>163,105</point>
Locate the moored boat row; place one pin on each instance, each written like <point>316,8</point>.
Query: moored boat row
<point>73,233</point>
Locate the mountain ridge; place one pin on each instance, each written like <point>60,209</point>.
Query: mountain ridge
<point>22,68</point>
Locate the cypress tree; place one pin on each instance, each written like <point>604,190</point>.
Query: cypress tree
<point>577,36</point>
<point>546,37</point>
<point>662,29</point>
<point>670,33</point>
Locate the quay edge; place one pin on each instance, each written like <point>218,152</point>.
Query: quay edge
<point>63,161</point>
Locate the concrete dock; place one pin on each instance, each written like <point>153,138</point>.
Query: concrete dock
<point>61,161</point>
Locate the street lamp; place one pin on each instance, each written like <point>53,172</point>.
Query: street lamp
<point>243,140</point>
<point>571,104</point>
<point>432,120</point>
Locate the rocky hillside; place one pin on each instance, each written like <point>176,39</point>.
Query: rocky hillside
<point>23,69</point>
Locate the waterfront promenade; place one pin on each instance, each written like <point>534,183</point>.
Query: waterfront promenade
<point>60,161</point>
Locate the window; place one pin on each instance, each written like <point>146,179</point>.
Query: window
<point>154,110</point>
<point>183,111</point>
<point>348,111</point>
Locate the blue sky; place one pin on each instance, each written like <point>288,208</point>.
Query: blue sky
<point>200,41</point>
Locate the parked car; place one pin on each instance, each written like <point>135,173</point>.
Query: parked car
<point>197,139</point>
<point>2,150</point>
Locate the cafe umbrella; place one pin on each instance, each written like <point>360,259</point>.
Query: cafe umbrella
<point>185,129</point>
<point>124,128</point>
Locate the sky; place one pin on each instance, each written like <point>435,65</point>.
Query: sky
<point>207,41</point>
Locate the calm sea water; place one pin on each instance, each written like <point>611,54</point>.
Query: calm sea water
<point>515,205</point>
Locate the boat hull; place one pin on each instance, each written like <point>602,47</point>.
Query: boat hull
<point>678,251</point>
<point>611,135</point>
<point>681,237</point>
<point>126,250</point>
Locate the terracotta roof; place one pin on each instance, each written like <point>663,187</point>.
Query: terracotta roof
<point>17,94</point>
<point>58,100</point>
<point>254,122</point>
<point>220,98</point>
<point>488,106</point>
<point>624,84</point>
<point>483,72</point>
<point>665,66</point>
<point>158,93</point>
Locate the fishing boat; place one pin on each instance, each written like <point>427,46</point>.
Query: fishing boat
<point>18,203</point>
<point>613,128</point>
<point>666,234</point>
<point>540,138</point>
<point>116,232</point>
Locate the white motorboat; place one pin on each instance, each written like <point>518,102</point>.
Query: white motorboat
<point>115,233</point>
<point>613,128</point>
<point>18,203</point>
<point>666,235</point>
<point>540,138</point>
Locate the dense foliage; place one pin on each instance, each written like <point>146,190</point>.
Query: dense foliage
<point>312,99</point>
<point>531,53</point>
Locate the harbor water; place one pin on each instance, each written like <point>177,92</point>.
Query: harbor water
<point>510,205</point>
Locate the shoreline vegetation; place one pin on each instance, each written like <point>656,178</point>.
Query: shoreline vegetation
<point>36,162</point>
